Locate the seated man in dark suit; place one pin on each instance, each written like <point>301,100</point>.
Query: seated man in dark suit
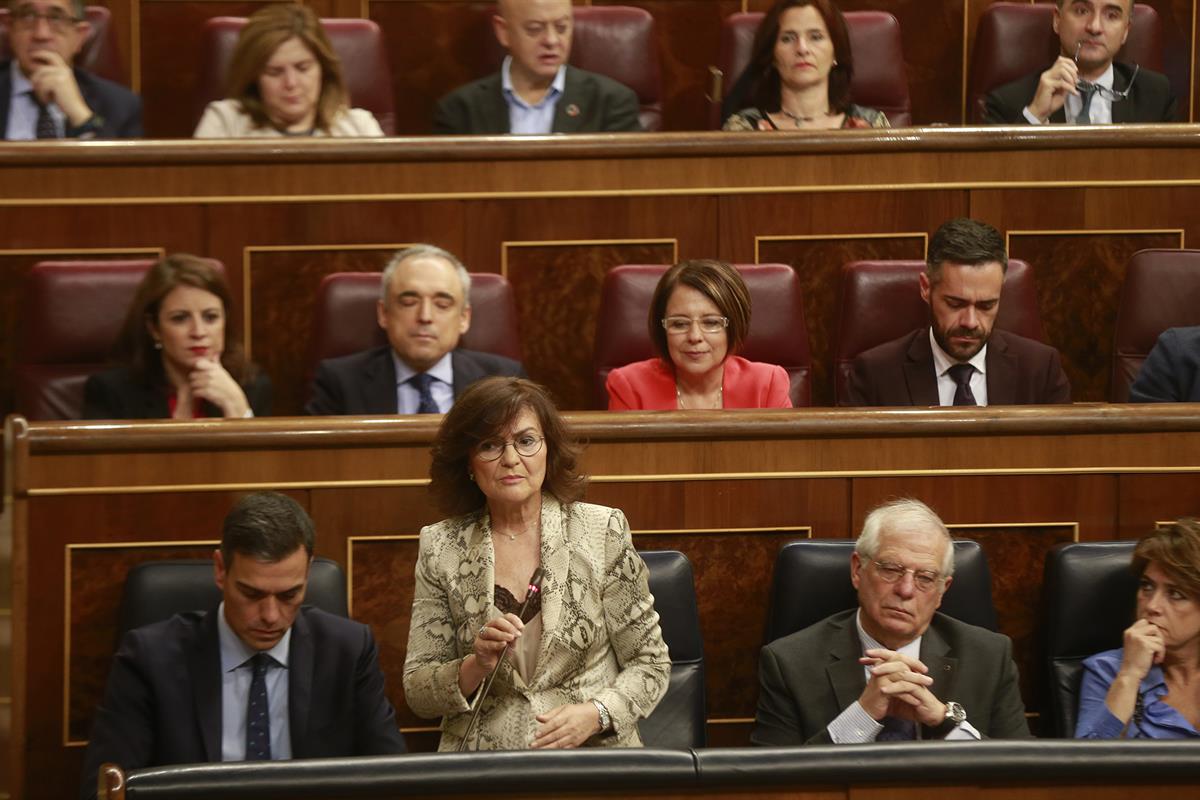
<point>960,359</point>
<point>891,669</point>
<point>535,90</point>
<point>42,96</point>
<point>1171,373</point>
<point>1084,85</point>
<point>258,677</point>
<point>425,307</point>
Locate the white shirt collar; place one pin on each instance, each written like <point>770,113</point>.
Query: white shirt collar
<point>443,370</point>
<point>556,86</point>
<point>235,652</point>
<point>942,362</point>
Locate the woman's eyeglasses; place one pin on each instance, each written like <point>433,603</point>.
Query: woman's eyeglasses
<point>525,445</point>
<point>678,326</point>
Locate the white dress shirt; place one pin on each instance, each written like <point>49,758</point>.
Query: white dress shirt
<point>526,118</point>
<point>942,362</point>
<point>236,676</point>
<point>23,109</point>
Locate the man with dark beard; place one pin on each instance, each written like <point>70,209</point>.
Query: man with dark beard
<point>960,359</point>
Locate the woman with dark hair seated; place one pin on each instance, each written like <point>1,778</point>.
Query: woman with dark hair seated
<point>284,80</point>
<point>1150,688</point>
<point>699,317</point>
<point>586,658</point>
<point>181,352</point>
<point>799,73</point>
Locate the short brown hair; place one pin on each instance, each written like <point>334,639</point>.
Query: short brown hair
<point>265,31</point>
<point>135,346</point>
<point>766,87</point>
<point>964,241</point>
<point>1176,549</point>
<point>266,526</point>
<point>717,281</point>
<point>481,413</point>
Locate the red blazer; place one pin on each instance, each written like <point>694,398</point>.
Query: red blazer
<point>650,386</point>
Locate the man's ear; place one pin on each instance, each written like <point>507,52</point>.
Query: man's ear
<point>945,588</point>
<point>464,324</point>
<point>926,287</point>
<point>84,29</point>
<point>381,314</point>
<point>500,28</point>
<point>856,567</point>
<point>219,569</point>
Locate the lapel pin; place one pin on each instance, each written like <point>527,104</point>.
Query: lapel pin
<point>572,110</point>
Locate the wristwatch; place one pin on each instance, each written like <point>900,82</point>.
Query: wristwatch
<point>955,716</point>
<point>605,717</point>
<point>88,129</point>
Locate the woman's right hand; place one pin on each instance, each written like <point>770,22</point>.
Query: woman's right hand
<point>494,637</point>
<point>1144,647</point>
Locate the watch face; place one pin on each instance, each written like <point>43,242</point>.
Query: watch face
<point>955,712</point>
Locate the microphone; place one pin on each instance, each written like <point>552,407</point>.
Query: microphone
<point>535,587</point>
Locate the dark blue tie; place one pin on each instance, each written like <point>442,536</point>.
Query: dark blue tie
<point>897,730</point>
<point>1085,115</point>
<point>422,381</point>
<point>961,374</point>
<point>258,712</point>
<point>46,127</point>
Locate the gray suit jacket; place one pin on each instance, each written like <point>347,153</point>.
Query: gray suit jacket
<point>1171,373</point>
<point>809,677</point>
<point>365,382</point>
<point>1020,371</point>
<point>589,103</point>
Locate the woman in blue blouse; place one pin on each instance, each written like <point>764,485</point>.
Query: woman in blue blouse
<point>1150,688</point>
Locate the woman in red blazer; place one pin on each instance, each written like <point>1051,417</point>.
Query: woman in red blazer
<point>699,316</point>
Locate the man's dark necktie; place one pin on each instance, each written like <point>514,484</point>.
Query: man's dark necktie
<point>897,730</point>
<point>258,712</point>
<point>46,128</point>
<point>1085,116</point>
<point>961,375</point>
<point>422,381</point>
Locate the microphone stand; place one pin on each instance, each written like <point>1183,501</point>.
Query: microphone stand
<point>535,586</point>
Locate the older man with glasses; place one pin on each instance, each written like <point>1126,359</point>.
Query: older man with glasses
<point>892,669</point>
<point>42,95</point>
<point>1085,85</point>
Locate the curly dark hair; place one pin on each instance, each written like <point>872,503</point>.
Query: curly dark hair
<point>482,412</point>
<point>766,88</point>
<point>1176,549</point>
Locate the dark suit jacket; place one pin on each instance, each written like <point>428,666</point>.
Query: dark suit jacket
<point>120,108</point>
<point>365,382</point>
<point>601,104</point>
<point>1150,99</point>
<point>162,704</point>
<point>809,677</point>
<point>117,394</point>
<point>1020,371</point>
<point>1171,373</point>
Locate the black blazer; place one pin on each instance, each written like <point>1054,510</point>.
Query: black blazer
<point>589,103</point>
<point>1150,99</point>
<point>1171,373</point>
<point>120,108</point>
<point>365,382</point>
<point>1020,371</point>
<point>806,679</point>
<point>118,394</point>
<point>162,704</point>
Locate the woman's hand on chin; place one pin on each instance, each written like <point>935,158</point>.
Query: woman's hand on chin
<point>210,381</point>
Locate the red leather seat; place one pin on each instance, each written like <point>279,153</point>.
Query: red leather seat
<point>1015,39</point>
<point>99,54</point>
<point>345,320</point>
<point>70,318</point>
<point>879,79</point>
<point>1161,290</point>
<point>778,333</point>
<point>618,42</point>
<point>358,44</point>
<point>881,301</point>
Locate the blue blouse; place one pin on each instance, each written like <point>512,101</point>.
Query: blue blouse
<point>1154,719</point>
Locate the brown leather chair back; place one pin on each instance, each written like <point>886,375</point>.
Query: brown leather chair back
<point>1161,290</point>
<point>99,54</point>
<point>358,44</point>
<point>1015,39</point>
<point>778,333</point>
<point>881,301</point>
<point>71,316</point>
<point>879,80</point>
<point>618,42</point>
<point>345,320</point>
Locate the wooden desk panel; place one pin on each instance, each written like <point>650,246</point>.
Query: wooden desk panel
<point>728,489</point>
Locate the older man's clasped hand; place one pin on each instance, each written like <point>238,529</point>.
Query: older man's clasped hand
<point>899,687</point>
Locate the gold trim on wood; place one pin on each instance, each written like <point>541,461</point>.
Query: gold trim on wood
<point>1097,232</point>
<point>821,237</point>
<point>1074,526</point>
<point>67,551</point>
<point>158,252</point>
<point>504,245</point>
<point>807,529</point>
<point>728,720</point>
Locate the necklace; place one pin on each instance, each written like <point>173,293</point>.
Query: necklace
<point>719,404</point>
<point>798,118</point>
<point>512,537</point>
